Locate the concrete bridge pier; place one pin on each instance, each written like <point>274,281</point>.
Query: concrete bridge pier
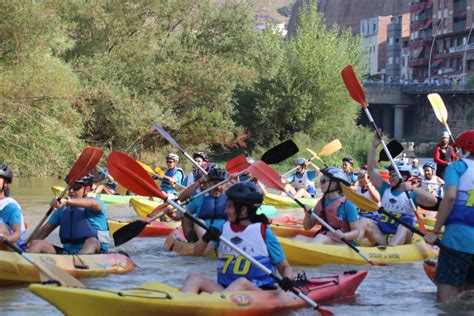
<point>399,121</point>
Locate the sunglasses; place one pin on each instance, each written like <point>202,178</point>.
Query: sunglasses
<point>77,187</point>
<point>323,181</point>
<point>169,161</point>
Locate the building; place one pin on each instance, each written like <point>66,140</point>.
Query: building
<point>374,33</point>
<point>397,44</point>
<point>421,22</point>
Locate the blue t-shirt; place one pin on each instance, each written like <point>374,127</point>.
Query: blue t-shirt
<point>97,220</point>
<point>457,237</point>
<point>178,175</point>
<point>194,207</point>
<point>11,215</point>
<point>351,176</point>
<point>346,211</point>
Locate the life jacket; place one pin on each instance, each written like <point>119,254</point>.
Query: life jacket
<point>329,214</point>
<point>4,203</point>
<point>399,206</point>
<point>433,186</point>
<point>232,265</point>
<point>462,212</point>
<point>165,186</point>
<point>213,207</point>
<point>75,226</point>
<point>445,153</point>
<point>364,213</point>
<point>303,181</point>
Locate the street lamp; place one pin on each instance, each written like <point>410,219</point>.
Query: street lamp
<point>432,46</point>
<point>464,57</point>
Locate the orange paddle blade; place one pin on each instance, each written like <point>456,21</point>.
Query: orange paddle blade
<point>266,175</point>
<point>88,159</point>
<point>237,164</point>
<point>353,86</point>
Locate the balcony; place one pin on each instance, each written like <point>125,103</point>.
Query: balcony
<point>418,62</point>
<point>459,6</point>
<point>459,26</point>
<point>461,48</point>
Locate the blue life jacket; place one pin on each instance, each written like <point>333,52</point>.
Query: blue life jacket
<point>75,227</point>
<point>213,207</point>
<point>165,186</point>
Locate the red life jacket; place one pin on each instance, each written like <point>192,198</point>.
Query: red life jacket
<point>329,214</point>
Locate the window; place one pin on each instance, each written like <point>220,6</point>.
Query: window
<point>390,41</point>
<point>397,60</point>
<point>390,60</point>
<point>397,40</point>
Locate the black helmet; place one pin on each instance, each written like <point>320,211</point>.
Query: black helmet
<point>87,180</point>
<point>200,154</point>
<point>6,172</point>
<point>247,193</point>
<point>218,174</point>
<point>336,174</point>
<point>349,160</point>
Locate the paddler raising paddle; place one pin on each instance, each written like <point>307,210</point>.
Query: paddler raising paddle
<point>12,226</point>
<point>250,232</point>
<point>301,183</point>
<point>82,223</point>
<point>456,212</point>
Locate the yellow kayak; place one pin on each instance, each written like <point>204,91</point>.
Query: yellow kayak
<point>283,201</point>
<point>15,269</point>
<point>155,298</point>
<point>109,199</point>
<point>304,253</point>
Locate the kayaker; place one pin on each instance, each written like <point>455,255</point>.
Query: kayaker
<point>443,154</point>
<point>173,175</point>
<point>385,231</point>
<point>366,188</point>
<point>456,213</point>
<point>301,183</point>
<point>82,223</point>
<point>416,170</point>
<point>104,183</point>
<point>12,225</point>
<point>209,207</point>
<point>431,182</point>
<point>334,209</point>
<point>201,159</point>
<point>347,165</point>
<point>249,232</point>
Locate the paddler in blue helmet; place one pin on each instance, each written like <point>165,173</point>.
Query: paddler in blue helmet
<point>301,183</point>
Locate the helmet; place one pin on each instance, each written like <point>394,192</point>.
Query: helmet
<point>403,167</point>
<point>200,154</point>
<point>87,180</point>
<point>415,160</point>
<point>336,174</point>
<point>349,160</point>
<point>172,156</point>
<point>299,161</point>
<point>250,160</point>
<point>247,193</point>
<point>444,134</point>
<point>429,164</point>
<point>6,172</point>
<point>218,174</point>
<point>465,140</point>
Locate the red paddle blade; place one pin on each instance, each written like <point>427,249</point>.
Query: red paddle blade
<point>324,312</point>
<point>237,164</point>
<point>353,86</point>
<point>266,175</point>
<point>128,172</point>
<point>88,159</point>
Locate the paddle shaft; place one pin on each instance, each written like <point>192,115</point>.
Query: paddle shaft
<point>243,253</point>
<point>294,169</point>
<point>166,180</point>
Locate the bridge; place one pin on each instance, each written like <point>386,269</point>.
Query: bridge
<point>404,111</point>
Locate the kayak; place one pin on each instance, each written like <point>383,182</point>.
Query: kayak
<point>283,201</point>
<point>159,298</point>
<point>154,229</point>
<point>109,199</point>
<point>15,269</point>
<point>306,253</point>
<point>286,226</point>
<point>430,269</point>
<point>143,207</point>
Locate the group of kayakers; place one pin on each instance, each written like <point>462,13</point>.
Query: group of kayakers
<point>230,210</point>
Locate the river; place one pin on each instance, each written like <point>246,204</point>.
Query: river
<point>401,289</point>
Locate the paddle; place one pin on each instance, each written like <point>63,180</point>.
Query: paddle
<point>237,165</point>
<point>357,93</point>
<point>270,178</point>
<point>88,159</point>
<point>128,172</point>
<point>370,206</point>
<point>327,150</point>
<point>51,271</point>
<point>440,111</point>
<point>395,149</point>
<point>175,144</point>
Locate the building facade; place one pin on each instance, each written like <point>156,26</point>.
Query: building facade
<point>374,34</point>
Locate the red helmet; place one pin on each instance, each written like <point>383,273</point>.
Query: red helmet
<point>466,141</point>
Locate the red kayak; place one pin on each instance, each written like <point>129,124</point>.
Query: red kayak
<point>154,229</point>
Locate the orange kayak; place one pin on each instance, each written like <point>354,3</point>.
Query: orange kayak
<point>289,226</point>
<point>430,269</point>
<point>153,229</point>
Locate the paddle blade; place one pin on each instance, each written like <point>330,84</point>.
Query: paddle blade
<point>280,152</point>
<point>237,164</point>
<point>87,161</point>
<point>438,107</point>
<point>395,149</point>
<point>324,311</point>
<point>359,201</point>
<point>128,232</point>
<point>146,167</point>
<point>159,171</point>
<point>167,136</point>
<point>266,175</point>
<point>330,148</point>
<point>353,86</point>
<point>131,175</point>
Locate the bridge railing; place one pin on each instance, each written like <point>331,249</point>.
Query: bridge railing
<point>423,88</point>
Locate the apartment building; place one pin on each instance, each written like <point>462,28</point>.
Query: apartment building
<point>374,34</point>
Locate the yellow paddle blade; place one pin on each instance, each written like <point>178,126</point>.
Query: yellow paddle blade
<point>159,171</point>
<point>146,167</point>
<point>359,201</point>
<point>330,148</point>
<point>438,107</point>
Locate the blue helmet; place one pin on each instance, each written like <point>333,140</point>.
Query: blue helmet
<point>299,161</point>
<point>403,167</point>
<point>429,164</point>
<point>336,174</point>
<point>87,180</point>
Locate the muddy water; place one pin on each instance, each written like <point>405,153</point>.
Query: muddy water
<point>401,289</point>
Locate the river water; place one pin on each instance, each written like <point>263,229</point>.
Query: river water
<point>401,289</point>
